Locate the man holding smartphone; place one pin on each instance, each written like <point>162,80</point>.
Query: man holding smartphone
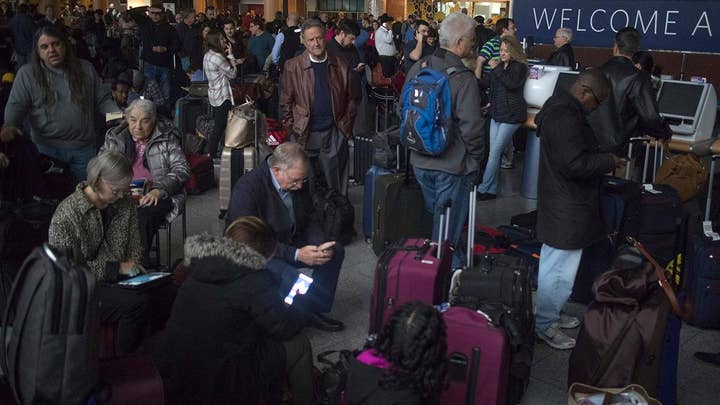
<point>417,48</point>
<point>275,192</point>
<point>342,45</point>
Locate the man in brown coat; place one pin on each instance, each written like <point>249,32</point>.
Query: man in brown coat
<point>319,106</point>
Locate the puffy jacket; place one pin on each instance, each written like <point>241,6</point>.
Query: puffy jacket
<point>507,102</point>
<point>163,158</point>
<point>298,86</point>
<point>631,110</point>
<point>563,56</point>
<point>571,169</point>
<point>223,341</point>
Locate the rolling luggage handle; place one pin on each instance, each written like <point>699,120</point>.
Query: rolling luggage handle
<point>684,313</point>
<point>444,228</point>
<point>471,227</point>
<point>647,141</point>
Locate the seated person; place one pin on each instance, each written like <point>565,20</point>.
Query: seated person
<point>151,144</point>
<point>120,89</point>
<point>275,192</point>
<point>406,364</point>
<point>98,225</point>
<point>250,343</point>
<point>147,89</point>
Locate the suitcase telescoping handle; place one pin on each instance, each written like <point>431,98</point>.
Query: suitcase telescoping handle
<point>707,223</point>
<point>648,142</point>
<point>471,226</point>
<point>444,228</point>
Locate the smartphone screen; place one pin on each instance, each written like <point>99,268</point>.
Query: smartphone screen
<point>300,287</point>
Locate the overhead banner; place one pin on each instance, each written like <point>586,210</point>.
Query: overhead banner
<point>664,25</point>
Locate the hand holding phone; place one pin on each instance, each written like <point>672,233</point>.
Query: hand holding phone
<point>326,246</point>
<point>301,286</point>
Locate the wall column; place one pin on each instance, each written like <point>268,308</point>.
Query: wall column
<point>269,9</point>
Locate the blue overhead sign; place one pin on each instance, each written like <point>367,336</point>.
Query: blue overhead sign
<point>664,25</point>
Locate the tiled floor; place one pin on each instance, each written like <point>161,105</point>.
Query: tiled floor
<point>697,383</point>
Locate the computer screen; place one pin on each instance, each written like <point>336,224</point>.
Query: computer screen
<point>680,98</point>
<point>565,80</point>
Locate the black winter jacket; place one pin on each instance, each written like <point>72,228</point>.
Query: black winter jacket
<point>363,388</point>
<point>563,56</point>
<point>630,111</point>
<point>223,338</point>
<point>152,34</point>
<point>255,195</point>
<point>571,171</point>
<point>507,102</point>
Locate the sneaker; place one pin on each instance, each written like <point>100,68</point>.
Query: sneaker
<point>556,338</point>
<point>568,322</point>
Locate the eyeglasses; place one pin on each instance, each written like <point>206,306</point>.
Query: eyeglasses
<point>118,192</point>
<point>294,183</point>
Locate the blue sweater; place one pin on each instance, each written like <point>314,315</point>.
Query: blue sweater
<point>321,115</point>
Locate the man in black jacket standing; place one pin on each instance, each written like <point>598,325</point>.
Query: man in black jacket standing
<point>563,54</point>
<point>571,169</point>
<point>276,192</point>
<point>159,44</point>
<point>631,110</point>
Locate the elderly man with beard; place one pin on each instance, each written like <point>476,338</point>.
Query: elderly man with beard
<point>59,95</point>
<point>318,103</point>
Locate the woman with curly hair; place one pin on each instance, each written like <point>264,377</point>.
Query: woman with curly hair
<point>407,363</point>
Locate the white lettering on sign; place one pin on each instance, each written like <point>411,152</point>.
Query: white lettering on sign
<point>640,25</point>
<point>622,24</point>
<point>544,15</point>
<point>562,16</point>
<point>577,28</point>
<point>703,17</point>
<point>592,20</point>
<point>668,21</point>
<point>600,19</point>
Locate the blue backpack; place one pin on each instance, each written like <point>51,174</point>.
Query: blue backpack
<point>427,111</point>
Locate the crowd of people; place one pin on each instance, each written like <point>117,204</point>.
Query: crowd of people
<point>74,65</point>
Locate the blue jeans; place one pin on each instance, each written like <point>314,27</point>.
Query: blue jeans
<point>500,134</point>
<point>77,158</point>
<point>556,276</point>
<point>438,188</point>
<point>321,294</point>
<point>161,75</point>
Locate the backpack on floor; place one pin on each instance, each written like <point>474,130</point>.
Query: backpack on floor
<point>427,111</point>
<point>49,329</point>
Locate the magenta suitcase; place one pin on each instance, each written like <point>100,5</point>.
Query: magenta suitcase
<point>410,269</point>
<point>479,359</point>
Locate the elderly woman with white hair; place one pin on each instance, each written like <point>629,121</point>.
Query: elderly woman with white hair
<point>152,145</point>
<point>98,224</point>
<point>563,54</point>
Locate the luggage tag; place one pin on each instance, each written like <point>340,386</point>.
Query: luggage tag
<point>708,231</point>
<point>649,188</point>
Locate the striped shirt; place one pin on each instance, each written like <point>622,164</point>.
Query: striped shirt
<point>489,51</point>
<point>219,72</point>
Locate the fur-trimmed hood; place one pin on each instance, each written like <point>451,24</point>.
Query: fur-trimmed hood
<point>216,250</point>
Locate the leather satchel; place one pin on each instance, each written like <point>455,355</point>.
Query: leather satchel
<point>684,173</point>
<point>240,130</point>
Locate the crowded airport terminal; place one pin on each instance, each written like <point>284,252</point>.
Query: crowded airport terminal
<point>359,202</point>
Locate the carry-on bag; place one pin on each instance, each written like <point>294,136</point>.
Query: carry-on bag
<point>202,174</point>
<point>400,210</point>
<point>500,286</point>
<point>479,355</point>
<point>411,269</point>
<point>368,218</point>
<point>49,328</point>
<point>335,214</point>
<point>233,164</point>
<point>187,111</point>
<point>362,156</point>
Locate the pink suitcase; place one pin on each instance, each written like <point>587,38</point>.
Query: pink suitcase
<point>479,359</point>
<point>411,269</point>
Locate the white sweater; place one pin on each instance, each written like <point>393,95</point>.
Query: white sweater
<point>384,42</point>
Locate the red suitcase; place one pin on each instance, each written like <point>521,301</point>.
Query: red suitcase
<point>479,356</point>
<point>411,269</point>
<point>202,174</point>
